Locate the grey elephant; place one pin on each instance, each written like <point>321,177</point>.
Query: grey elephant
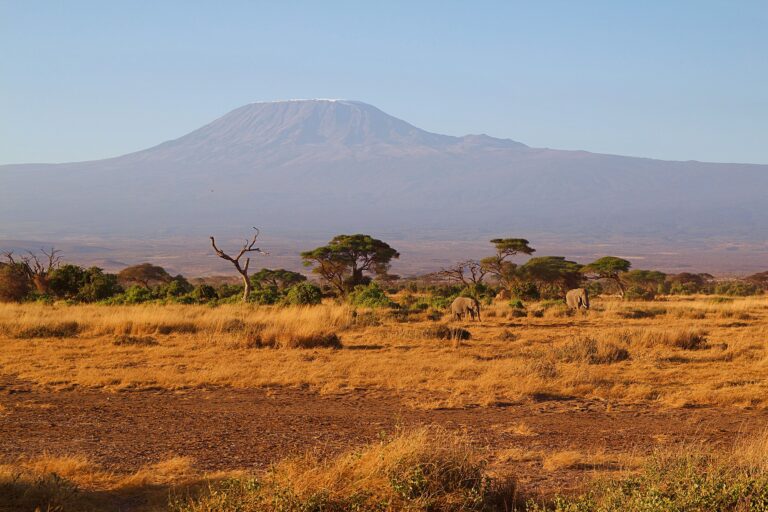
<point>463,305</point>
<point>577,298</point>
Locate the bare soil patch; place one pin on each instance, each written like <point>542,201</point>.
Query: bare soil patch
<point>223,428</point>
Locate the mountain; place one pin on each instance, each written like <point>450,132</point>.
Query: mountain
<point>311,168</point>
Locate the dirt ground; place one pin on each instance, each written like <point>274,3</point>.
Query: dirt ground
<point>250,428</point>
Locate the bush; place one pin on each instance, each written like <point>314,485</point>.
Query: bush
<point>98,286</point>
<point>737,288</point>
<point>14,283</point>
<point>66,281</point>
<point>226,291</point>
<point>176,287</point>
<point>134,295</point>
<point>303,294</point>
<point>265,296</point>
<point>639,293</point>
<point>370,296</point>
<point>204,293</point>
<point>525,291</point>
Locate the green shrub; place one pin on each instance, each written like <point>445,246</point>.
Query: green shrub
<point>204,292</point>
<point>265,296</point>
<point>737,288</point>
<point>303,294</point>
<point>135,295</point>
<point>66,281</point>
<point>525,291</point>
<point>370,296</point>
<point>98,286</point>
<point>176,287</point>
<point>639,293</point>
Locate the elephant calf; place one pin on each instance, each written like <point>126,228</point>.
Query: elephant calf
<point>463,305</point>
<point>577,298</point>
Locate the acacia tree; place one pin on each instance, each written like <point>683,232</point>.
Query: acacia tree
<point>608,267</point>
<point>499,265</point>
<point>280,278</point>
<point>145,274</point>
<point>248,247</point>
<point>37,269</point>
<point>553,272</point>
<point>346,259</point>
<point>644,283</point>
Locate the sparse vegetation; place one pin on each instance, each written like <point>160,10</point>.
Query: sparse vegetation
<point>393,337</point>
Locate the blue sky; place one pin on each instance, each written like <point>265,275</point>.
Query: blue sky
<point>667,79</point>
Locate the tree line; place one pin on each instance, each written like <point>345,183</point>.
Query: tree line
<point>354,268</point>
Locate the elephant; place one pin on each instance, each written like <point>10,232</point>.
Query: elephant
<point>463,305</point>
<point>577,298</point>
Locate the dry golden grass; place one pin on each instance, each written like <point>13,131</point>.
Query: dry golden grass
<point>425,469</point>
<point>74,483</point>
<point>428,468</point>
<point>689,350</point>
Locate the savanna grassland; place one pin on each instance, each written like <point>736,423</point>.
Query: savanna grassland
<point>339,408</point>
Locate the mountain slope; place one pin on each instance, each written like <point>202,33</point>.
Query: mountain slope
<point>312,167</point>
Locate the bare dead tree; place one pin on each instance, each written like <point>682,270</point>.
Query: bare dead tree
<point>248,247</point>
<point>470,273</point>
<point>37,269</point>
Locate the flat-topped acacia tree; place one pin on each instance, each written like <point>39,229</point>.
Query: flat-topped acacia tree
<point>145,274</point>
<point>346,258</point>
<point>608,267</point>
<point>242,269</point>
<point>499,265</point>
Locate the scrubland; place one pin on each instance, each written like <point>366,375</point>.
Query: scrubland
<point>672,353</point>
<point>684,351</point>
